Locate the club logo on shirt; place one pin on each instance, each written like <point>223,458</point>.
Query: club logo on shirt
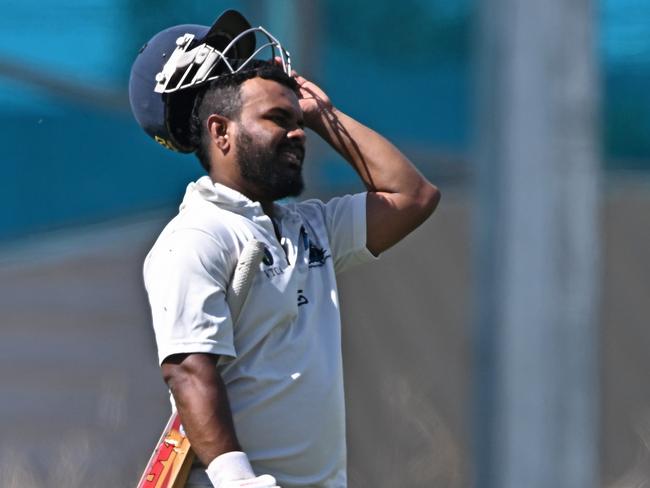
<point>268,257</point>
<point>270,271</point>
<point>317,256</point>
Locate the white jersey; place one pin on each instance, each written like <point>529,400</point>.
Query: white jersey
<point>282,362</point>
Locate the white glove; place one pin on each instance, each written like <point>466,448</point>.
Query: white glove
<point>233,470</point>
<point>264,481</point>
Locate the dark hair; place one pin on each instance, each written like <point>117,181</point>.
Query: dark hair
<point>222,96</point>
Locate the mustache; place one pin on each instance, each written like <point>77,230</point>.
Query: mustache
<point>297,148</point>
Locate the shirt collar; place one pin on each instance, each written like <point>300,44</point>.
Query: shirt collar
<point>225,197</point>
<point>222,196</point>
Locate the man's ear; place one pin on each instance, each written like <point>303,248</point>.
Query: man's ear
<point>219,128</point>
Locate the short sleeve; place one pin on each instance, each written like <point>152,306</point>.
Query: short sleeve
<point>186,277</point>
<point>344,220</point>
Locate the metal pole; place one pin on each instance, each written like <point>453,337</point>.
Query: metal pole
<point>536,224</point>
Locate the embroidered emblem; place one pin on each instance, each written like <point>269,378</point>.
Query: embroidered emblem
<point>317,256</point>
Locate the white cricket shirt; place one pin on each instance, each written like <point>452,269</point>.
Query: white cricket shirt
<point>282,362</point>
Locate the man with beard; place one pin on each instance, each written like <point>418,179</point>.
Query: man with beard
<point>265,395</point>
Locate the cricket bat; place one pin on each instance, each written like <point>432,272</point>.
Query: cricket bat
<point>171,461</point>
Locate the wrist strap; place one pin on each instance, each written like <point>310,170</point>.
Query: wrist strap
<point>230,466</point>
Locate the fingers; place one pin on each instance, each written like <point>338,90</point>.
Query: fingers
<point>280,62</point>
<point>294,74</point>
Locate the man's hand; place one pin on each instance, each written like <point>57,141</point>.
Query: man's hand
<point>314,102</point>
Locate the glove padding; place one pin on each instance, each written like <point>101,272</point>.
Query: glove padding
<point>264,481</point>
<point>233,470</point>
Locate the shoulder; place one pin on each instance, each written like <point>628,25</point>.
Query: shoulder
<point>205,220</point>
<point>195,239</point>
<point>333,215</point>
<point>308,210</point>
<point>334,208</point>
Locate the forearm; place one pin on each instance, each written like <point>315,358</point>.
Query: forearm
<point>202,403</point>
<point>399,197</point>
<point>381,166</point>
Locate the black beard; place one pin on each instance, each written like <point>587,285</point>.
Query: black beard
<point>260,166</point>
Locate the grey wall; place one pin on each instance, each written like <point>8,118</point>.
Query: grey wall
<point>83,403</point>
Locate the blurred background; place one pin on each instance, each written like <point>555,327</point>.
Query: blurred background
<point>515,114</point>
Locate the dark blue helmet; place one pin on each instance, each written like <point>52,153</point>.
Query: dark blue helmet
<point>169,68</point>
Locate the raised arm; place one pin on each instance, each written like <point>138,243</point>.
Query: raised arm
<point>399,197</point>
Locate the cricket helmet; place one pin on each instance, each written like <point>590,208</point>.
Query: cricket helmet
<point>168,70</point>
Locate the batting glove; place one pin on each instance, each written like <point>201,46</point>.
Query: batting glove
<point>233,470</point>
<point>264,481</point>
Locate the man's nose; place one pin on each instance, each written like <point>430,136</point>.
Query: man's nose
<point>297,134</point>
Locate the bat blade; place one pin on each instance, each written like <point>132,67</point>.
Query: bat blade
<point>170,463</point>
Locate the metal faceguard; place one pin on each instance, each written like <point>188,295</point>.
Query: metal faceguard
<point>187,68</point>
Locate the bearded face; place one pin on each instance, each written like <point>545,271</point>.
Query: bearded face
<point>274,171</point>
